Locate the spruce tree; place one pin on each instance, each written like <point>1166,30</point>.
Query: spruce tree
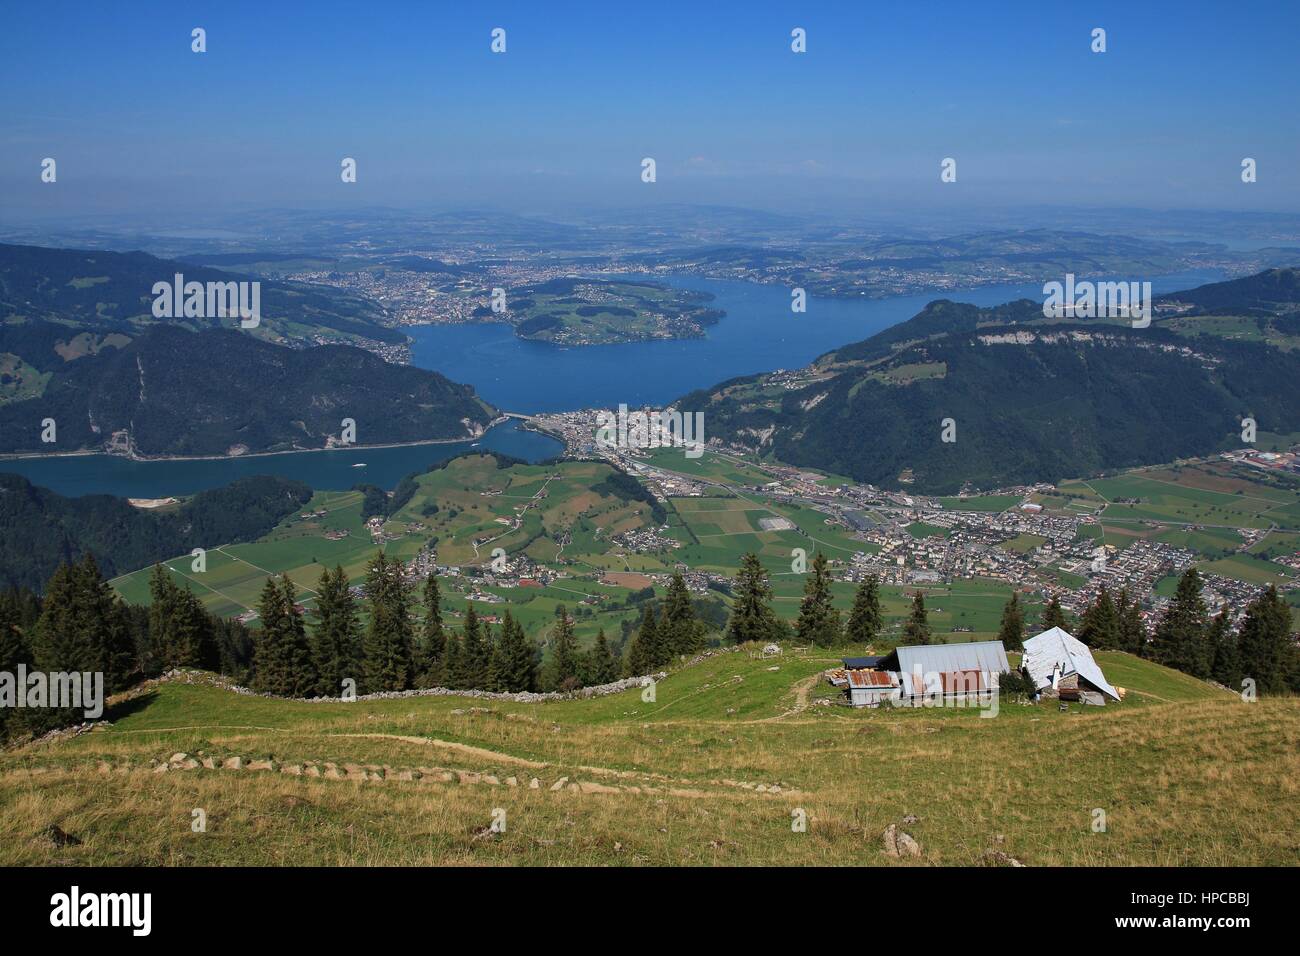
<point>865,620</point>
<point>516,664</point>
<point>1132,632</point>
<point>1225,666</point>
<point>180,630</point>
<point>1267,649</point>
<point>433,638</point>
<point>84,627</point>
<point>495,681</point>
<point>336,634</point>
<point>453,668</point>
<point>602,667</point>
<point>388,640</point>
<point>752,618</point>
<point>1012,630</point>
<point>282,661</point>
<point>475,651</point>
<point>1054,616</point>
<point>1180,640</point>
<point>917,628</point>
<point>680,632</point>
<point>819,621</point>
<point>1099,627</point>
<point>644,651</point>
<point>564,654</point>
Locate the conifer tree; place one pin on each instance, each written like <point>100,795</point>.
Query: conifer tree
<point>1012,630</point>
<point>475,652</point>
<point>336,636</point>
<point>453,668</point>
<point>644,652</point>
<point>819,621</point>
<point>679,632</point>
<point>1268,651</point>
<point>84,627</point>
<point>1180,640</point>
<point>431,647</point>
<point>1132,632</point>
<point>865,620</point>
<point>282,663</point>
<point>388,640</point>
<point>602,668</point>
<point>917,628</point>
<point>180,630</point>
<point>1054,616</point>
<point>1099,627</point>
<point>564,654</point>
<point>516,664</point>
<point>1225,662</point>
<point>752,618</point>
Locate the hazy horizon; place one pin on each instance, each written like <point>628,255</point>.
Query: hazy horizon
<point>144,129</point>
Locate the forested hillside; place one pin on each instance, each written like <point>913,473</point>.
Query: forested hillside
<point>1028,400</point>
<point>174,392</point>
<point>40,529</point>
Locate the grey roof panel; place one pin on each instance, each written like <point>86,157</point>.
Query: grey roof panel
<point>987,656</point>
<point>1053,647</point>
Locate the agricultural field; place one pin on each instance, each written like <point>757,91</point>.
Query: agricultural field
<point>559,514</point>
<point>711,466</point>
<point>717,532</point>
<point>708,772</point>
<point>1206,507</point>
<point>598,312</point>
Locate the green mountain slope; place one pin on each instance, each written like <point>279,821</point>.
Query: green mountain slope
<point>1031,400</point>
<point>173,392</point>
<point>113,292</point>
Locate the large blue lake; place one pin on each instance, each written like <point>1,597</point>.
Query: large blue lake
<point>324,470</point>
<point>758,334</point>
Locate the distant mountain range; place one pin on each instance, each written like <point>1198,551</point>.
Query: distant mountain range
<point>1029,399</point>
<point>112,292</point>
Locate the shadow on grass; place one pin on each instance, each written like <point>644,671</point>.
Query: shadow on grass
<point>126,708</point>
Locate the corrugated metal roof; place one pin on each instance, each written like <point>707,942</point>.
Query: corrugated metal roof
<point>853,663</point>
<point>865,678</point>
<point>1052,647</point>
<point>987,656</point>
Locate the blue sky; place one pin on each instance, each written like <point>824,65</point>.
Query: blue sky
<point>710,90</point>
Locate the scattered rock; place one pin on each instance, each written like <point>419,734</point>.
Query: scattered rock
<point>56,837</point>
<point>899,844</point>
<point>559,784</point>
<point>998,858</point>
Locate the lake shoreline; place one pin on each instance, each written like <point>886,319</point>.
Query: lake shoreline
<point>82,453</point>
